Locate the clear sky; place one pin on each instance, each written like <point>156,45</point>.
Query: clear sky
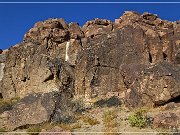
<point>17,19</point>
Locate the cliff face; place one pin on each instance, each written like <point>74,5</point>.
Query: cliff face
<point>136,57</point>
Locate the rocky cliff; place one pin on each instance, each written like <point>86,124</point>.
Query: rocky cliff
<point>136,58</point>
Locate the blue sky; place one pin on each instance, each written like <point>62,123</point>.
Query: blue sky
<point>17,19</point>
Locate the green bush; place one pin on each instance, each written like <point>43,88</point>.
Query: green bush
<point>138,118</point>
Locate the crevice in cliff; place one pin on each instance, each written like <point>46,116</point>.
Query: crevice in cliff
<point>92,36</point>
<point>52,115</point>
<point>1,96</point>
<point>22,127</point>
<point>94,79</point>
<point>150,57</point>
<point>13,85</point>
<point>165,57</point>
<point>49,78</point>
<point>123,77</point>
<point>27,126</point>
<point>172,100</point>
<point>175,99</point>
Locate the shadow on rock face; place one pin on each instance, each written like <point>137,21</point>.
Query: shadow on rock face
<point>113,101</point>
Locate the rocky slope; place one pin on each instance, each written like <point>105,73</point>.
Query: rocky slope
<point>136,58</point>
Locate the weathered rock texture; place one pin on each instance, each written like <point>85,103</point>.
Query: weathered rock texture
<point>151,85</point>
<point>39,108</point>
<point>38,63</point>
<point>137,56</point>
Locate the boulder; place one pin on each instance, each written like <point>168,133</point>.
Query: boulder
<point>38,108</point>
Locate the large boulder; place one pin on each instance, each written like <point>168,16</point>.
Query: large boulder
<point>38,108</point>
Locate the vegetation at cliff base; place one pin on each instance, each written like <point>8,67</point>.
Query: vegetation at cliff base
<point>138,118</point>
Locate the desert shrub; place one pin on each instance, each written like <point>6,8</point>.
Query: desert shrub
<point>91,121</point>
<point>109,118</point>
<point>110,122</point>
<point>138,118</point>
<point>36,129</point>
<point>70,126</point>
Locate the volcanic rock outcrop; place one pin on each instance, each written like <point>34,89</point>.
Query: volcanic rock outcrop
<point>39,108</point>
<point>137,56</point>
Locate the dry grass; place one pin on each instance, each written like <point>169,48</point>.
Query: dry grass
<point>87,119</point>
<point>110,122</point>
<point>109,117</point>
<point>47,126</point>
<point>70,126</point>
